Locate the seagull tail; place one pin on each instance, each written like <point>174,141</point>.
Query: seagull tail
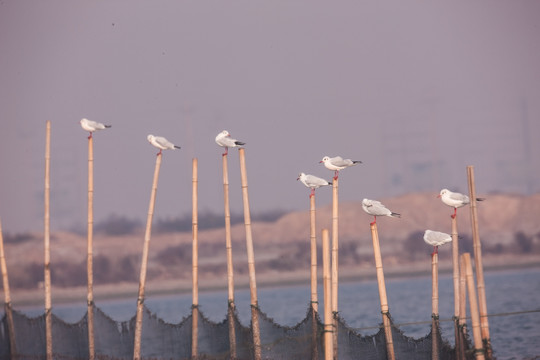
<point>239,143</point>
<point>396,215</point>
<point>176,147</point>
<point>480,199</point>
<point>108,126</point>
<point>357,162</point>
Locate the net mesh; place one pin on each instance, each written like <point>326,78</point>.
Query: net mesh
<point>162,340</point>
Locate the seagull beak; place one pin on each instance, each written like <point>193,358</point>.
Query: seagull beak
<point>438,196</point>
<point>320,161</point>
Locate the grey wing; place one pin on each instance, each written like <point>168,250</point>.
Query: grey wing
<point>459,197</point>
<point>164,142</point>
<point>379,209</point>
<point>338,161</point>
<point>314,180</point>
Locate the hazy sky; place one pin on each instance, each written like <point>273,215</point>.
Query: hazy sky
<point>417,90</point>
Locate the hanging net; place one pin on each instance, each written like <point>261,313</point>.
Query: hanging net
<point>162,340</point>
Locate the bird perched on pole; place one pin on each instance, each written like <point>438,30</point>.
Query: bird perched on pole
<point>455,199</point>
<point>225,140</point>
<point>436,239</point>
<point>92,126</point>
<point>338,163</point>
<point>161,143</point>
<point>312,181</point>
<point>375,208</point>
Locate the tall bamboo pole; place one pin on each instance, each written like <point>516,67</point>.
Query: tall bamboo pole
<point>473,305</point>
<point>195,263</point>
<point>455,277</point>
<point>477,247</point>
<point>462,311</point>
<point>382,292</point>
<point>228,246</point>
<point>435,306</point>
<point>335,258</point>
<point>313,238</point>
<point>251,259</point>
<point>329,323</point>
<point>314,295</point>
<point>47,238</point>
<point>7,299</point>
<point>89,257</point>
<point>144,262</point>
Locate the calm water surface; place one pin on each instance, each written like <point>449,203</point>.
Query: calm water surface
<point>512,336</point>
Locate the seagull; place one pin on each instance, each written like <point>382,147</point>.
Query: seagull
<point>455,199</point>
<point>337,163</point>
<point>161,143</point>
<point>312,181</point>
<point>224,139</point>
<point>375,208</point>
<point>92,126</point>
<point>436,239</point>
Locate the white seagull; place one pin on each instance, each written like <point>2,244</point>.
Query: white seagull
<point>436,239</point>
<point>337,163</point>
<point>375,208</point>
<point>92,126</point>
<point>161,143</point>
<point>225,140</point>
<point>312,181</point>
<point>455,199</point>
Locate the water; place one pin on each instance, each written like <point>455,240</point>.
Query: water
<point>512,336</point>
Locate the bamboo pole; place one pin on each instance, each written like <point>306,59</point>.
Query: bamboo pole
<point>89,261</point>
<point>144,262</point>
<point>230,272</point>
<point>455,277</point>
<point>195,263</point>
<point>329,323</point>
<point>7,299</point>
<point>462,311</point>
<point>382,293</point>
<point>473,305</point>
<point>314,295</point>
<point>435,306</point>
<point>47,238</point>
<point>251,259</point>
<point>477,247</point>
<point>335,258</point>
<point>313,238</point>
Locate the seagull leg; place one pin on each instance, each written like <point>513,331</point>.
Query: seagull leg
<point>374,221</point>
<point>435,250</point>
<point>336,173</point>
<point>312,193</point>
<point>90,136</point>
<point>455,214</point>
<point>226,151</point>
<point>159,153</point>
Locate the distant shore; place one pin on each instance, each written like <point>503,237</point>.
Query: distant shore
<point>25,297</point>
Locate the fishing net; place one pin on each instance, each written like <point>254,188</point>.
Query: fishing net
<point>162,340</point>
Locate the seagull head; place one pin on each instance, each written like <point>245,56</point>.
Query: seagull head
<point>300,176</point>
<point>150,138</point>
<point>442,193</point>
<point>324,159</point>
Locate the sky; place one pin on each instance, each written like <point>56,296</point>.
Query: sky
<point>416,90</point>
